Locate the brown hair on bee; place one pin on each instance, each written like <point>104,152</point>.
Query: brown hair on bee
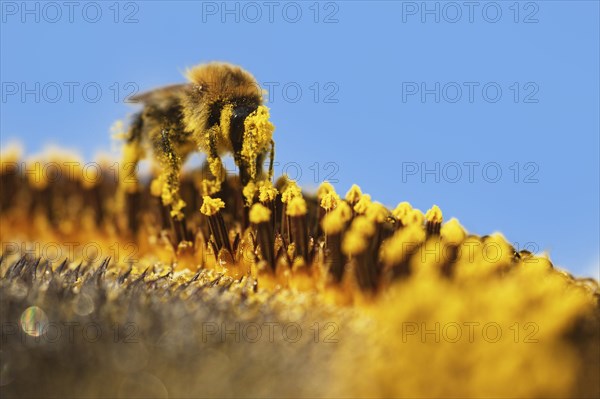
<point>219,111</point>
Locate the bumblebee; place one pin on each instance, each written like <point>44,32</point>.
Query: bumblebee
<point>219,111</point>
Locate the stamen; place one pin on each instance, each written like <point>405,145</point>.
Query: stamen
<point>362,204</point>
<point>290,191</point>
<point>211,208</point>
<point>333,224</point>
<point>353,195</point>
<point>267,196</point>
<point>260,216</point>
<point>296,211</point>
<point>434,220</point>
<point>355,244</point>
<point>452,235</point>
<point>396,251</point>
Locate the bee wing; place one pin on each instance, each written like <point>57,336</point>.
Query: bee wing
<point>161,96</point>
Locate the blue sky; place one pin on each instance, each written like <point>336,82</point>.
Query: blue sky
<point>488,109</point>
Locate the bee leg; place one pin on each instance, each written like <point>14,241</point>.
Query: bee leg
<point>271,158</point>
<point>260,163</point>
<point>171,162</point>
<point>215,165</point>
<point>243,168</point>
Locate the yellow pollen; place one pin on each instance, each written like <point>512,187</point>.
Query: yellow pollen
<point>266,192</point>
<point>452,232</point>
<point>434,215</point>
<point>211,206</point>
<point>291,191</point>
<point>259,214</point>
<point>296,207</point>
<point>248,192</point>
<point>414,216</point>
<point>353,194</point>
<point>401,210</point>
<point>330,200</point>
<point>258,133</point>
<point>324,189</point>
<point>377,213</point>
<point>363,204</point>
<point>354,243</point>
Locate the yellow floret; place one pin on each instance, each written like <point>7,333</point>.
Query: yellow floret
<point>452,232</point>
<point>363,226</point>
<point>344,210</point>
<point>401,210</point>
<point>353,194</point>
<point>397,247</point>
<point>209,187</point>
<point>330,200</point>
<point>10,155</point>
<point>354,243</point>
<point>266,192</point>
<point>296,207</point>
<point>249,192</point>
<point>377,213</point>
<point>291,191</point>
<point>414,216</point>
<point>211,206</point>
<point>497,250</point>
<point>259,214</point>
<point>434,215</point>
<point>363,204</point>
<point>324,189</point>
<point>334,221</point>
<point>176,208</point>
